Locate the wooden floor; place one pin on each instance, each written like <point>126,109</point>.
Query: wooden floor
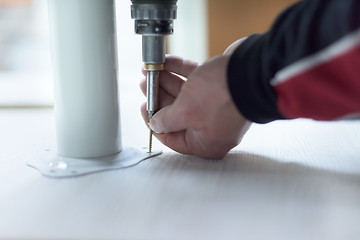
<point>288,180</point>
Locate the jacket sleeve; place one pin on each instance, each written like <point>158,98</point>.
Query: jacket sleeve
<point>306,66</point>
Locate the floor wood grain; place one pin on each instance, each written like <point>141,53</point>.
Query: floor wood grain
<point>295,179</point>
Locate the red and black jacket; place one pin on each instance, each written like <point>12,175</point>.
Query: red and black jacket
<point>306,66</point>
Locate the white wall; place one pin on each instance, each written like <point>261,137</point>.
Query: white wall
<point>129,44</point>
<point>191,31</point>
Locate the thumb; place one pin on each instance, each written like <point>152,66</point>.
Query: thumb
<point>168,119</point>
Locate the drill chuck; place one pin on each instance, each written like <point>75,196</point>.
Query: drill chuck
<point>154,20</point>
<point>153,9</point>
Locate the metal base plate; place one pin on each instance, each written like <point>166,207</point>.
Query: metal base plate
<point>52,165</point>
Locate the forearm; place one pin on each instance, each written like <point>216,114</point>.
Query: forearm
<point>305,66</point>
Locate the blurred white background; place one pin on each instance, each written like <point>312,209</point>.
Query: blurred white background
<point>25,65</point>
<point>24,54</point>
<point>24,36</point>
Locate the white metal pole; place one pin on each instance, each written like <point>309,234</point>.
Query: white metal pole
<point>83,42</point>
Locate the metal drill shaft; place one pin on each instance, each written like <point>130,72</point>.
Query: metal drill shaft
<point>152,93</point>
<point>151,131</point>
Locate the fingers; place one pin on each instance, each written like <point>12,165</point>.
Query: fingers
<point>174,140</point>
<point>171,83</point>
<point>169,123</point>
<point>178,65</point>
<point>164,97</point>
<point>168,81</point>
<point>144,113</point>
<point>157,122</point>
<point>168,119</point>
<point>234,46</point>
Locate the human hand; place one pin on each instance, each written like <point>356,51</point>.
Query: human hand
<point>197,116</point>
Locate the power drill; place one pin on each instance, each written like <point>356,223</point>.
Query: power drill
<point>154,21</point>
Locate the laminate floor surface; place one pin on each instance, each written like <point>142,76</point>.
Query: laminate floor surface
<point>296,179</point>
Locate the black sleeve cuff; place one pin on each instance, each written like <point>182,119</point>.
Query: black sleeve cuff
<point>249,88</point>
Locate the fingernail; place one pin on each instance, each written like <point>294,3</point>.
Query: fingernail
<point>155,126</point>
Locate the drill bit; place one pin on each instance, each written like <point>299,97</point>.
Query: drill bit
<point>150,141</point>
<point>152,97</point>
<point>151,133</point>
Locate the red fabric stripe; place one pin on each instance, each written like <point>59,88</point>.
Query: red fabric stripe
<point>325,92</point>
